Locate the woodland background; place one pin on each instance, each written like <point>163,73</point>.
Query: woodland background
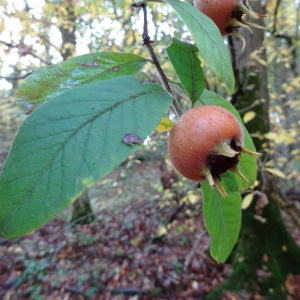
<point>139,232</point>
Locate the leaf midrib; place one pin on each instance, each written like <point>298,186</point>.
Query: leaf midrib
<point>2,228</point>
<point>193,76</point>
<point>223,219</point>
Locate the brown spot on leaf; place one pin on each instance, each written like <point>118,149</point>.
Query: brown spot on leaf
<point>130,138</point>
<point>93,64</point>
<point>116,69</point>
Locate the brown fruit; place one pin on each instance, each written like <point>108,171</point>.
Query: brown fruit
<point>229,15</point>
<point>206,142</point>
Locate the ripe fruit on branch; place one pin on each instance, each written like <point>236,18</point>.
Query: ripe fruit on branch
<point>229,15</point>
<point>206,142</point>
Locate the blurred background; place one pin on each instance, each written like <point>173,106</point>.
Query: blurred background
<point>139,232</point>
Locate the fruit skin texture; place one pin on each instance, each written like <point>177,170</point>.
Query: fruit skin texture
<point>218,10</point>
<point>229,15</point>
<point>197,135</point>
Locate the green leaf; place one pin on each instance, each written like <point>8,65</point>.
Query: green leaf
<point>188,67</point>
<point>208,40</point>
<point>68,143</point>
<point>248,164</point>
<point>51,81</point>
<point>222,217</point>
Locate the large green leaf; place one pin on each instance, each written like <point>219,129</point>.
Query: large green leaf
<point>208,40</point>
<point>222,217</point>
<point>188,67</point>
<point>68,143</point>
<point>49,82</point>
<point>248,164</point>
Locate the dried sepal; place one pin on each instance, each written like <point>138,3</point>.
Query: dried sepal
<point>225,149</point>
<point>240,37</point>
<point>248,11</point>
<point>209,177</point>
<point>235,169</point>
<point>218,185</point>
<point>246,151</point>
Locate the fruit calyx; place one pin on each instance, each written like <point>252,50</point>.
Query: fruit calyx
<point>237,18</point>
<point>225,158</point>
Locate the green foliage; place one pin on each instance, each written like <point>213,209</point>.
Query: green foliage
<point>69,143</point>
<point>248,164</point>
<point>186,63</point>
<point>208,40</point>
<point>51,81</point>
<point>222,216</point>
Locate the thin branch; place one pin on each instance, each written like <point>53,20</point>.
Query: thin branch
<point>8,44</point>
<point>254,104</point>
<point>175,212</point>
<point>297,23</point>
<point>240,88</point>
<point>129,291</point>
<point>16,77</point>
<point>28,51</point>
<point>139,3</point>
<point>194,250</point>
<point>75,290</point>
<point>287,206</point>
<point>41,59</point>
<point>275,16</point>
<point>163,77</point>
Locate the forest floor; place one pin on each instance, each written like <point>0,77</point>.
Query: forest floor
<point>140,245</point>
<point>122,253</point>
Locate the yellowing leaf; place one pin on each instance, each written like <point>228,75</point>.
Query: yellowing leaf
<point>276,172</point>
<point>63,10</point>
<point>161,231</point>
<point>130,40</point>
<point>271,135</point>
<point>247,201</point>
<point>282,137</point>
<point>193,198</point>
<point>164,125</point>
<point>249,116</point>
<point>262,62</point>
<point>289,89</point>
<point>282,159</point>
<point>272,56</point>
<point>287,136</point>
<point>256,183</point>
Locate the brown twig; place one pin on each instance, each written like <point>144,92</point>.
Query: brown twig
<point>254,104</point>
<point>16,77</point>
<point>163,77</point>
<point>240,87</point>
<point>175,212</point>
<point>287,206</point>
<point>194,250</point>
<point>28,51</point>
<point>129,291</point>
<point>74,290</point>
<point>275,16</point>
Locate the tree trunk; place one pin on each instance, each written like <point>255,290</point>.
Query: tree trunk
<point>265,253</point>
<point>67,30</point>
<point>82,210</point>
